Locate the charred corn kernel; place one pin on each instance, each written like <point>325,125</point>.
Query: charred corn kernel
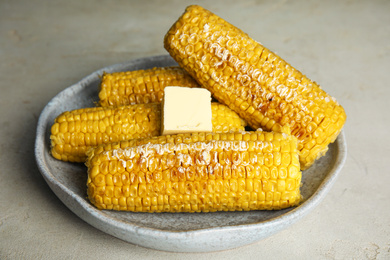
<point>141,86</point>
<point>253,81</point>
<point>188,175</point>
<point>100,125</point>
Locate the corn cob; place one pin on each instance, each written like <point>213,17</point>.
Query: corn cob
<point>254,82</point>
<point>74,132</point>
<point>197,172</point>
<point>141,86</point>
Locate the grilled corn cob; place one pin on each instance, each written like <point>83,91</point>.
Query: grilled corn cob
<point>74,132</point>
<point>253,81</point>
<point>197,172</point>
<point>141,86</point>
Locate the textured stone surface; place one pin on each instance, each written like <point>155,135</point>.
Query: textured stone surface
<point>46,46</point>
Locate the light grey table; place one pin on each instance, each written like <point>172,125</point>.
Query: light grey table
<point>46,46</point>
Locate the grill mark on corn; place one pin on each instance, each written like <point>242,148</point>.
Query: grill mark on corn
<point>240,66</point>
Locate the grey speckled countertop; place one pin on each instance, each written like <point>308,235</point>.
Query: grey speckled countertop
<point>46,46</point>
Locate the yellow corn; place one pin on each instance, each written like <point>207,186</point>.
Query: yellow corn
<point>253,81</point>
<point>225,120</point>
<point>74,132</point>
<point>141,86</point>
<point>197,172</point>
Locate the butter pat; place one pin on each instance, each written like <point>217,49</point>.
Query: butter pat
<point>186,110</point>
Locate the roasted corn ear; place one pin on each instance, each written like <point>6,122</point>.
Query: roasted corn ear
<point>74,132</point>
<point>254,82</point>
<point>141,86</point>
<point>197,172</point>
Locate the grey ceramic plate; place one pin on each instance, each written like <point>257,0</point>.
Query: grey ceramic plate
<point>178,232</point>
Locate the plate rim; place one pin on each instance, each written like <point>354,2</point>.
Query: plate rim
<point>291,216</point>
